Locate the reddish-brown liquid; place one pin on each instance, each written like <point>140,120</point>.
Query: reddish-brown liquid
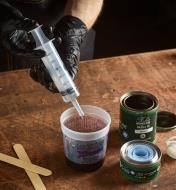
<point>88,123</point>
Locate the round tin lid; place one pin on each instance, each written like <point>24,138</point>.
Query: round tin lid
<point>140,152</point>
<point>166,121</point>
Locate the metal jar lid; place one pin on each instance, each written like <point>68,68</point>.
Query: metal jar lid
<point>140,153</point>
<point>166,121</point>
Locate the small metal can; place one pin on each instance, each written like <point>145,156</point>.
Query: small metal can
<point>138,116</point>
<point>140,161</point>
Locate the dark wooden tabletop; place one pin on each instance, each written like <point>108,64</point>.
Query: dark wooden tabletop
<point>29,115</point>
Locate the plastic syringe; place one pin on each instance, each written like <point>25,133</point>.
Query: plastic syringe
<point>56,69</point>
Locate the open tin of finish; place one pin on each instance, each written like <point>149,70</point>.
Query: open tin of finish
<point>140,160</point>
<point>138,116</point>
<point>139,101</point>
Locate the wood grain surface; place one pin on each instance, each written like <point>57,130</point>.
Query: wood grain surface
<point>29,115</point>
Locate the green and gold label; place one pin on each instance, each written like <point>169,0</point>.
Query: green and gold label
<point>139,174</point>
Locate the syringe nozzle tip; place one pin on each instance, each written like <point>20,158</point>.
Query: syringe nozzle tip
<point>78,108</point>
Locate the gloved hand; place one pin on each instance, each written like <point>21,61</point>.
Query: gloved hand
<point>14,32</point>
<point>69,33</point>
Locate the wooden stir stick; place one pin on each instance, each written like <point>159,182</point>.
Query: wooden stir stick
<point>34,177</point>
<point>25,165</point>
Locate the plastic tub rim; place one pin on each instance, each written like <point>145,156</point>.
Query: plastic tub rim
<point>85,136</point>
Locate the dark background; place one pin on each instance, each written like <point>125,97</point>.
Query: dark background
<point>123,27</point>
<point>132,26</point>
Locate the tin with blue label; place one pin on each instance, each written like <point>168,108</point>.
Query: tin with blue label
<point>138,116</point>
<point>140,161</point>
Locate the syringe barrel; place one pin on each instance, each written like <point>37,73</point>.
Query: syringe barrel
<point>58,73</point>
<point>55,66</point>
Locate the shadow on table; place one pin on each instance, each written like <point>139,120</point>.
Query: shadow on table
<point>109,177</point>
<point>114,141</point>
<point>166,160</point>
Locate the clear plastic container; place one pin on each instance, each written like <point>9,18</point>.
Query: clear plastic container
<point>85,150</point>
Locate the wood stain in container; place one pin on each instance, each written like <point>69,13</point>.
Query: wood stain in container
<point>85,124</point>
<point>85,155</point>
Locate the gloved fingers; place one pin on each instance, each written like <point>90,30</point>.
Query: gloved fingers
<point>37,54</point>
<point>57,41</point>
<point>33,54</point>
<point>70,58</point>
<point>70,65</point>
<point>69,53</point>
<point>27,24</point>
<point>21,43</point>
<point>48,31</point>
<point>40,74</point>
<point>52,87</point>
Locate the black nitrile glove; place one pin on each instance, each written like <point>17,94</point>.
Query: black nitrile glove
<point>14,32</point>
<point>69,33</point>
